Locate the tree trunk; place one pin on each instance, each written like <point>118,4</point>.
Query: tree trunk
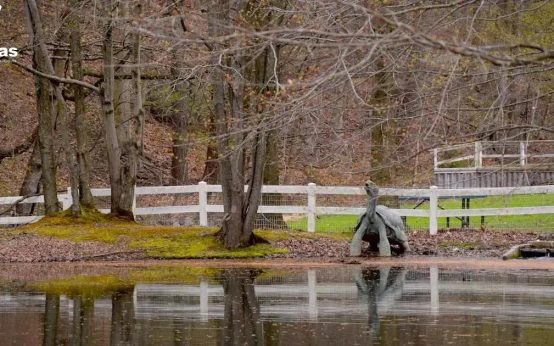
<point>127,115</point>
<point>179,170</point>
<point>239,107</point>
<point>131,143</point>
<point>31,182</point>
<point>85,194</point>
<point>271,177</point>
<point>64,129</point>
<point>44,110</point>
<point>210,174</point>
<point>107,95</point>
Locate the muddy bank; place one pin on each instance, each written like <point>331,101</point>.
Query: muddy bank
<point>59,270</point>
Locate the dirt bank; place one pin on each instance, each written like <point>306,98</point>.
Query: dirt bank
<point>31,248</point>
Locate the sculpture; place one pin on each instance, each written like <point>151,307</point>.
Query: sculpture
<point>380,226</point>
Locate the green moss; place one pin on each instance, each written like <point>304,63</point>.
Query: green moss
<point>156,241</point>
<point>94,286</point>
<point>195,244</point>
<point>84,285</point>
<point>166,274</point>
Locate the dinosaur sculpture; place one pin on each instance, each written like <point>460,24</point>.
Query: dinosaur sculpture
<point>380,226</point>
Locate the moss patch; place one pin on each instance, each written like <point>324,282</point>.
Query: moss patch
<point>93,286</point>
<point>82,285</point>
<point>161,241</point>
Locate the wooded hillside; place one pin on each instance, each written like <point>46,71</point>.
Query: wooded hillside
<point>125,92</point>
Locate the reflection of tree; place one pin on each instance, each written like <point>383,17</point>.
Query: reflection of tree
<point>51,316</point>
<point>242,311</point>
<point>379,285</point>
<point>83,319</point>
<point>123,317</point>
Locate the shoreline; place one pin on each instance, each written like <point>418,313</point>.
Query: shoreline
<point>301,263</point>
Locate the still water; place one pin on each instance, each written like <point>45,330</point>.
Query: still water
<point>337,306</point>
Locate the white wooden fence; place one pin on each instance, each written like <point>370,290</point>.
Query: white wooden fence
<point>517,151</point>
<point>311,210</point>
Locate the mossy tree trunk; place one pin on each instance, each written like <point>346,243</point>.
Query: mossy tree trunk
<point>123,130</point>
<point>107,95</point>
<point>239,206</point>
<point>64,127</point>
<point>31,181</point>
<point>81,133</point>
<point>241,89</point>
<point>180,115</point>
<point>46,136</point>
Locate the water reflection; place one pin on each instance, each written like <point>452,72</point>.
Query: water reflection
<point>243,325</point>
<point>377,285</point>
<point>349,305</point>
<point>123,318</point>
<point>51,312</point>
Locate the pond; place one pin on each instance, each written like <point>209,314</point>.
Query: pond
<point>347,305</point>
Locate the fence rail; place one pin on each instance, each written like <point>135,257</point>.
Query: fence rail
<point>471,155</point>
<point>311,210</point>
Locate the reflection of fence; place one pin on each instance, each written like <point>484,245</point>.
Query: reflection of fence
<point>331,295</point>
<point>311,209</point>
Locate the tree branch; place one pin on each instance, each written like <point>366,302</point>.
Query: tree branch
<point>56,78</point>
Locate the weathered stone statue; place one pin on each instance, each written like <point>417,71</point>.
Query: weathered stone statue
<point>380,226</point>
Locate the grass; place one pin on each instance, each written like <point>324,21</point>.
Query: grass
<point>158,241</point>
<point>540,223</point>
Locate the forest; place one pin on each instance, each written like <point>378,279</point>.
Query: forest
<point>126,93</point>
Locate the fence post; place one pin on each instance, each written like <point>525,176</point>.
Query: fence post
<point>436,158</point>
<point>134,206</point>
<point>311,207</point>
<point>478,157</point>
<point>67,200</point>
<point>433,207</point>
<point>522,154</point>
<point>203,203</point>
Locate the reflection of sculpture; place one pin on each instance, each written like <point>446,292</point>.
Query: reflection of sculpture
<point>379,226</point>
<point>381,286</point>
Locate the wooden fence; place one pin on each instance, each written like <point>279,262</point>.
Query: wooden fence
<point>311,209</point>
<point>498,153</point>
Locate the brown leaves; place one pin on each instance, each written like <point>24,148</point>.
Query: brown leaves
<point>32,248</point>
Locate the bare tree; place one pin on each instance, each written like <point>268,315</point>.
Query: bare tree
<point>44,109</point>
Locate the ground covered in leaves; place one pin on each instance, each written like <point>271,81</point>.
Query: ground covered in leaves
<point>97,238</point>
<point>470,243</point>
